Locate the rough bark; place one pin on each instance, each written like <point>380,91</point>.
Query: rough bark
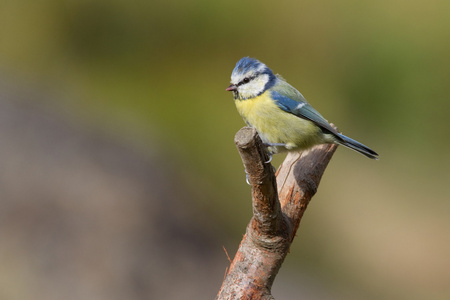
<point>279,202</point>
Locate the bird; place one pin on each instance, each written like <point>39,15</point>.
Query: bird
<point>283,118</point>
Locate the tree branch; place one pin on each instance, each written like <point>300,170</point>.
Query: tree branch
<point>275,221</point>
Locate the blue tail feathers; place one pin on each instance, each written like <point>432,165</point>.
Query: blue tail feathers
<point>357,146</point>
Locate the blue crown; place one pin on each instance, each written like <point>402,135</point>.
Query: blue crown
<point>247,64</point>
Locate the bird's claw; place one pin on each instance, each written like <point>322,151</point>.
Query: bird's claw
<point>270,154</point>
<point>247,179</point>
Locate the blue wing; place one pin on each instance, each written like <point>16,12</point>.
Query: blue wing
<point>292,101</point>
<point>302,109</point>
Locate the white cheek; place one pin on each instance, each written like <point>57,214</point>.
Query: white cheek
<point>246,90</point>
<point>254,87</point>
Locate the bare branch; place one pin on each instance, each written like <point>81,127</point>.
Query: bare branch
<point>267,217</point>
<point>298,179</point>
<point>273,226</point>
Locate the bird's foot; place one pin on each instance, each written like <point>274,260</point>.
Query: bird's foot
<point>270,152</point>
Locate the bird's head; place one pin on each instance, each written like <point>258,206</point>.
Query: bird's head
<point>250,78</point>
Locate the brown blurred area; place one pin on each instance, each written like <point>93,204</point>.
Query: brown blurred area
<point>83,216</point>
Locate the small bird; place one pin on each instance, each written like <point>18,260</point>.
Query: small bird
<point>280,114</point>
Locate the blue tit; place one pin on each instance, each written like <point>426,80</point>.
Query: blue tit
<point>280,114</point>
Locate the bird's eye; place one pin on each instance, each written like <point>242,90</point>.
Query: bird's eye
<point>246,80</point>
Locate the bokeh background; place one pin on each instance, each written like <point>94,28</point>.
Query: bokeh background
<point>119,178</point>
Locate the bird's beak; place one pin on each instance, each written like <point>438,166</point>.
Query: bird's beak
<point>231,88</point>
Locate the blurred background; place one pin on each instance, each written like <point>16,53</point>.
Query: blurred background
<point>119,178</point>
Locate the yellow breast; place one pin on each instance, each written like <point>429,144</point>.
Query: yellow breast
<point>277,126</point>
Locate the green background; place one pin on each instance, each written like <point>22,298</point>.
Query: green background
<point>153,74</point>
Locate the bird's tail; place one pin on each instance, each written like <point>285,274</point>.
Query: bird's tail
<point>357,146</point>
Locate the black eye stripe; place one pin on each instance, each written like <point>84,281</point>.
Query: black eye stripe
<point>245,80</point>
